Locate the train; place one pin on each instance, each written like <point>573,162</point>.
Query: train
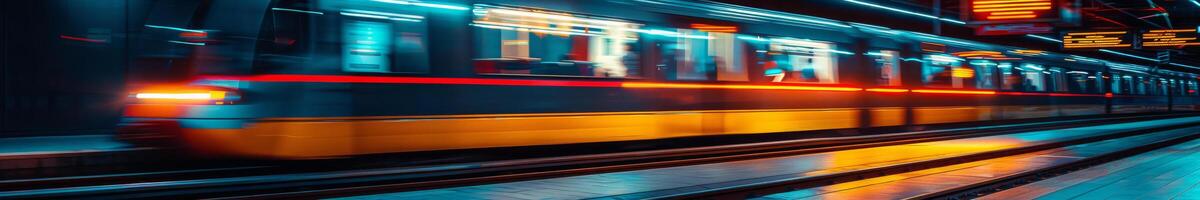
<point>312,79</point>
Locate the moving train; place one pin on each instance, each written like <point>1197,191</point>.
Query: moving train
<point>304,79</point>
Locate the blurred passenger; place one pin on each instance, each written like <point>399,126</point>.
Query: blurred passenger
<point>631,62</point>
<point>714,65</point>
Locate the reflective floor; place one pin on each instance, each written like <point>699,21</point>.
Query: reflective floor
<point>915,183</point>
<point>1168,173</point>
<point>674,180</point>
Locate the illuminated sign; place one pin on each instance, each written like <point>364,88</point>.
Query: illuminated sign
<point>715,28</point>
<point>1097,40</point>
<point>1010,11</point>
<point>1013,29</point>
<point>1172,38</point>
<point>933,47</point>
<point>962,73</point>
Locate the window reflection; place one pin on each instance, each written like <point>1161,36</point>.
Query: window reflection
<point>946,71</point>
<point>515,41</point>
<point>985,72</point>
<point>796,60</point>
<point>888,64</point>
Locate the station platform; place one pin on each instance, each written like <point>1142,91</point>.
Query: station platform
<point>665,182</point>
<point>66,151</point>
<point>1167,173</point>
<point>930,181</point>
<point>59,144</point>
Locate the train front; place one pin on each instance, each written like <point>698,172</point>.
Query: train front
<point>173,101</point>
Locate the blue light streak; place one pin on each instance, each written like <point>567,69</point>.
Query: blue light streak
<point>1043,38</point>
<point>1127,55</point>
<point>752,38</point>
<point>906,12</point>
<point>299,11</point>
<point>174,28</point>
<point>1183,65</point>
<point>775,16</point>
<point>187,43</point>
<point>1195,2</point>
<point>428,5</point>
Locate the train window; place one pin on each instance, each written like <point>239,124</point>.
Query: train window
<point>1140,85</point>
<point>1027,77</point>
<point>985,71</point>
<point>291,32</point>
<point>799,60</point>
<point>728,56</point>
<point>518,41</point>
<point>1123,84</point>
<point>1192,88</point>
<point>287,41</point>
<point>379,40</point>
<point>1116,84</point>
<point>687,54</point>
<point>1057,80</point>
<point>1035,77</point>
<point>1080,82</point>
<point>888,64</point>
<point>946,71</point>
<point>366,48</point>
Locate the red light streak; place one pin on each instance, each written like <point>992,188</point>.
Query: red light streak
<point>612,84</point>
<point>954,91</point>
<point>193,34</point>
<point>81,39</point>
<point>886,90</point>
<point>1049,94</point>
<point>412,80</point>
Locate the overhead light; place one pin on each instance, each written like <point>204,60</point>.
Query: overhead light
<point>1043,38</point>
<point>905,11</point>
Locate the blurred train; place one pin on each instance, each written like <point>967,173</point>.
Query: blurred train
<point>299,79</point>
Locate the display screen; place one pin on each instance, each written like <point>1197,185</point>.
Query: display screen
<point>1097,39</point>
<point>1172,38</point>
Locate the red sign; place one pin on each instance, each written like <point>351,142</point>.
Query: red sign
<point>1014,29</point>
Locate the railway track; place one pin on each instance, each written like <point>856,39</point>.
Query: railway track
<point>257,182</point>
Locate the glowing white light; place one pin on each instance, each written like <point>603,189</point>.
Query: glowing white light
<point>364,15</point>
<point>384,13</point>
<point>422,4</point>
<point>941,58</point>
<point>180,96</point>
<point>299,11</point>
<point>1043,38</point>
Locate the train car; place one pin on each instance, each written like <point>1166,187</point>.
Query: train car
<point>302,79</point>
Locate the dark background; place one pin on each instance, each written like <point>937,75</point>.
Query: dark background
<point>52,86</point>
